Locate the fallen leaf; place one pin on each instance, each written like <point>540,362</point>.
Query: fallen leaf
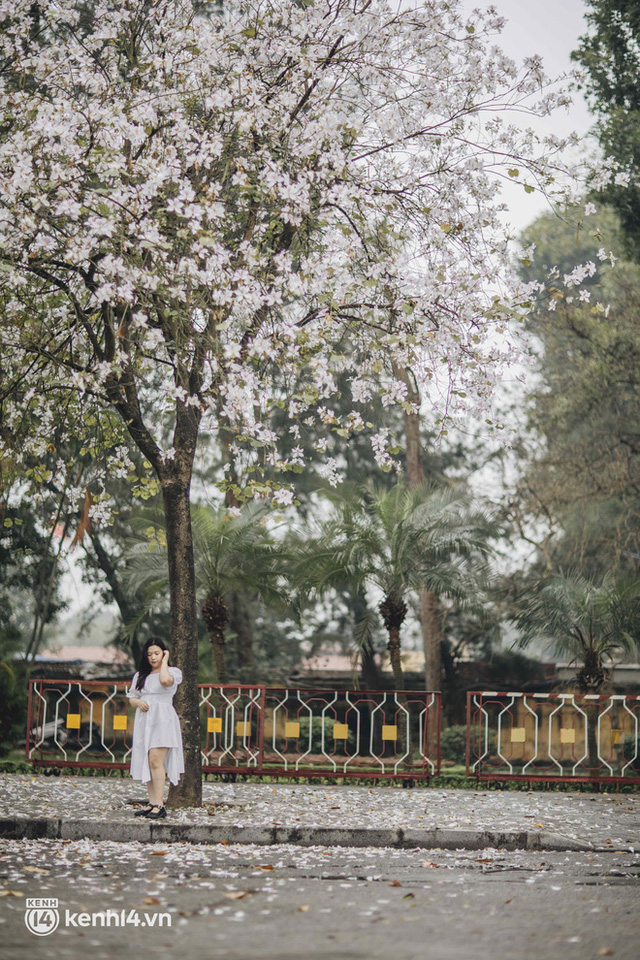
<point>507,901</point>
<point>266,866</point>
<point>11,893</point>
<point>396,883</point>
<point>408,896</point>
<point>158,853</point>
<point>236,894</point>
<point>605,952</point>
<point>304,908</point>
<point>35,870</point>
<point>428,863</point>
<point>150,900</point>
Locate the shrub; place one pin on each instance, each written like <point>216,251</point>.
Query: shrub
<point>453,743</point>
<point>316,736</point>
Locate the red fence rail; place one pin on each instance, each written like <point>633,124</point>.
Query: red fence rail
<point>247,729</point>
<point>560,737</point>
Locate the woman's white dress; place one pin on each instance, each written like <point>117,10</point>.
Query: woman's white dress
<point>159,726</point>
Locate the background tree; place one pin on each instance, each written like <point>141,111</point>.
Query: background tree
<point>183,209</point>
<point>586,622</point>
<point>582,620</point>
<point>610,55</point>
<point>232,553</point>
<point>580,463</point>
<point>396,541</point>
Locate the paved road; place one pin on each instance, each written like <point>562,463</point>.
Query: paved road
<point>287,903</point>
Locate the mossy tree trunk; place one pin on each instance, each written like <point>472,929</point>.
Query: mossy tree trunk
<point>429,604</point>
<point>393,612</point>
<point>184,629</point>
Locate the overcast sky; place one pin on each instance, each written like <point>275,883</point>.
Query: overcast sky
<point>550,28</point>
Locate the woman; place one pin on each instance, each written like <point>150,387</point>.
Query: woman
<point>157,738</point>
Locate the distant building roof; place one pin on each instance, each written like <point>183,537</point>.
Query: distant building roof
<point>412,660</point>
<point>78,654</point>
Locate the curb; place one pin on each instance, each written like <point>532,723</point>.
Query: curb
<point>25,828</point>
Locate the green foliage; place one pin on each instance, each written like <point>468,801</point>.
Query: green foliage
<point>231,552</point>
<point>397,540</point>
<point>610,55</point>
<point>238,558</point>
<point>582,480</point>
<point>29,577</point>
<point>453,743</point>
<point>316,736</point>
<point>13,703</point>
<point>582,620</point>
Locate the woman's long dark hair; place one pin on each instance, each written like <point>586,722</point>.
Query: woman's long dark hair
<point>144,667</point>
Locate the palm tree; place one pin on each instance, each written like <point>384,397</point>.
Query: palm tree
<point>583,621</point>
<point>232,552</point>
<point>396,541</point>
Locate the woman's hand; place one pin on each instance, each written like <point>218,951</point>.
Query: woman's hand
<point>165,658</point>
<point>141,705</point>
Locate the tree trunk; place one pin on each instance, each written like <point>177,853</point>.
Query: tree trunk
<point>108,568</point>
<point>215,614</point>
<point>432,639</point>
<point>240,624</point>
<point>393,647</point>
<point>429,605</point>
<point>592,709</point>
<point>393,613</point>
<point>217,651</point>
<point>184,632</point>
<point>590,678</point>
<point>369,668</point>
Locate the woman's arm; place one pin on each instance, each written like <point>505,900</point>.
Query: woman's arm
<point>139,704</point>
<point>133,698</point>
<point>165,677</point>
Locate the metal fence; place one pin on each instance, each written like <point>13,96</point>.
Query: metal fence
<point>561,737</point>
<point>247,729</point>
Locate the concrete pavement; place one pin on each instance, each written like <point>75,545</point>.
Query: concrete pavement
<point>75,808</point>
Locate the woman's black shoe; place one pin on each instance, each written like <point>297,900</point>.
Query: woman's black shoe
<point>160,815</point>
<point>144,811</point>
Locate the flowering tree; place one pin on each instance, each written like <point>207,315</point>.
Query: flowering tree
<point>199,209</point>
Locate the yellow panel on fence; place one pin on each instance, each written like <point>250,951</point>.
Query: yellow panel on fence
<point>243,729</point>
<point>340,731</point>
<point>567,735</point>
<point>120,721</point>
<point>73,721</point>
<point>389,732</point>
<point>214,725</point>
<point>291,730</point>
<point>518,735</point>
<point>615,736</point>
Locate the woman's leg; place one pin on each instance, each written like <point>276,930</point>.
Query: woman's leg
<point>155,787</point>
